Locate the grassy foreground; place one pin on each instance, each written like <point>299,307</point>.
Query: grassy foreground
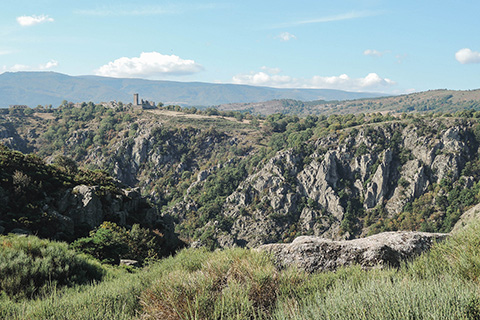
<point>244,284</point>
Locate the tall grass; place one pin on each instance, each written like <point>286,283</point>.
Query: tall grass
<point>384,299</point>
<point>233,284</point>
<point>116,297</point>
<point>244,284</point>
<point>459,256</point>
<point>440,284</point>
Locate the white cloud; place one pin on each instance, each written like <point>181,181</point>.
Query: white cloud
<point>50,64</point>
<point>149,64</point>
<point>371,82</point>
<point>374,53</point>
<point>22,67</point>
<point>26,21</point>
<point>271,70</point>
<point>18,67</point>
<point>286,36</point>
<point>339,17</point>
<point>466,56</point>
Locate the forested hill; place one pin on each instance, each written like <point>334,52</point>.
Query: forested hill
<point>436,101</point>
<point>45,88</point>
<point>228,178</point>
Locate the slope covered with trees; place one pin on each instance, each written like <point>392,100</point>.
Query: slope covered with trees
<point>227,178</point>
<point>112,180</point>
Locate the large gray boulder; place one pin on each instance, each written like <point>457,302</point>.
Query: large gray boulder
<point>381,250</point>
<point>469,216</point>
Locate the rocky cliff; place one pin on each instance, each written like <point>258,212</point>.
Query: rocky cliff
<point>53,202</point>
<point>349,182</point>
<point>227,183</point>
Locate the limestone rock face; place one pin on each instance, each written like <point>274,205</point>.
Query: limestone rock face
<point>377,189</point>
<point>86,207</point>
<point>319,180</point>
<point>381,250</point>
<point>10,138</point>
<point>382,168</point>
<point>271,187</point>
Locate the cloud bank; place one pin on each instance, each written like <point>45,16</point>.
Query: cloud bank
<point>467,56</point>
<point>149,64</point>
<point>371,82</point>
<point>22,67</point>
<point>27,21</point>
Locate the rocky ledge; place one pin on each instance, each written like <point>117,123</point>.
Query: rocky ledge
<point>381,250</point>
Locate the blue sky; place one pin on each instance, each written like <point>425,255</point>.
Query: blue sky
<point>361,45</point>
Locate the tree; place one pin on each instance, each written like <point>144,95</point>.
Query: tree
<point>66,164</point>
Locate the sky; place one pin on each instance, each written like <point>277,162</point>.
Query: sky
<point>389,47</point>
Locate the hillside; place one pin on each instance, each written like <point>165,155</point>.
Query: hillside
<point>435,100</point>
<point>232,179</point>
<point>64,202</point>
<point>45,88</point>
<point>229,179</point>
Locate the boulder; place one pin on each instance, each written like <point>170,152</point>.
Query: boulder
<point>129,263</point>
<point>386,249</point>
<point>469,216</point>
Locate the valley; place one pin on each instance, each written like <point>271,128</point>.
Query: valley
<point>252,196</point>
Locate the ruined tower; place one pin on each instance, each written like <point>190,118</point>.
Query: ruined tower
<point>135,99</point>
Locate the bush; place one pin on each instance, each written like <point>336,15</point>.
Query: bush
<point>110,242</point>
<point>30,266</point>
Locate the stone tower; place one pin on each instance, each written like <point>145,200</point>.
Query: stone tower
<point>135,99</point>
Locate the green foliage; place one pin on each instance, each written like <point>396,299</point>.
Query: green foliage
<point>245,284</point>
<point>110,242</point>
<point>115,298</point>
<point>30,266</point>
<point>25,180</point>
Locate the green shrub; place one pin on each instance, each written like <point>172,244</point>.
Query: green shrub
<point>110,242</point>
<point>30,266</point>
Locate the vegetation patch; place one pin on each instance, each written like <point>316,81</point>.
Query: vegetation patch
<point>30,266</point>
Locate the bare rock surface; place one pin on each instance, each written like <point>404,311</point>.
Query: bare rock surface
<point>381,250</point>
<point>473,214</point>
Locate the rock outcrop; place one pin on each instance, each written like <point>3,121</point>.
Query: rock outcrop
<point>86,207</point>
<point>10,137</point>
<point>469,216</point>
<point>381,168</point>
<point>83,208</point>
<point>351,180</point>
<point>386,249</point>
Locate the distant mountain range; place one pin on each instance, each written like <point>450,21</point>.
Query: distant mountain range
<point>441,100</point>
<point>43,88</point>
